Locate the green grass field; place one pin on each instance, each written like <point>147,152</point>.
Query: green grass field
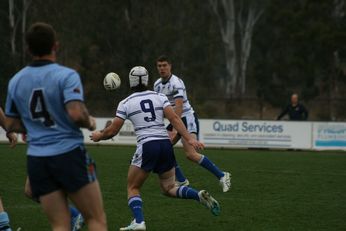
<point>272,190</point>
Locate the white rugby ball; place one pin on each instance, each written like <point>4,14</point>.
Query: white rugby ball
<point>111,81</point>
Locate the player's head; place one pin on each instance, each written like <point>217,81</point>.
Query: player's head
<point>41,39</point>
<point>294,99</point>
<point>139,78</point>
<point>164,66</point>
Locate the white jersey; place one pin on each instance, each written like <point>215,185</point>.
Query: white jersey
<point>145,111</point>
<point>174,88</point>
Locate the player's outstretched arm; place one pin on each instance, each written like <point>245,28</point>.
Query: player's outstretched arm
<point>108,132</point>
<point>80,115</point>
<point>178,109</point>
<point>180,127</point>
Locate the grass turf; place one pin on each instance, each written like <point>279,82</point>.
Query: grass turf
<point>272,190</point>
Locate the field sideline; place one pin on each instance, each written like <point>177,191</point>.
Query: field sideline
<point>272,190</point>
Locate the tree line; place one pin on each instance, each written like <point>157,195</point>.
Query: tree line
<point>227,52</point>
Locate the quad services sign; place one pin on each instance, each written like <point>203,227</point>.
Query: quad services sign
<point>256,134</point>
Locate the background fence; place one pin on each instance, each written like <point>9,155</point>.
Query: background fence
<point>249,134</point>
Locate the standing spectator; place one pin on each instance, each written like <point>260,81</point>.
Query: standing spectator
<point>295,110</point>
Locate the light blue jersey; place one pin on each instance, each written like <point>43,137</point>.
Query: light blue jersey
<point>37,95</point>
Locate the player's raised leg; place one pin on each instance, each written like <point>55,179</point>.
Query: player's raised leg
<point>136,178</point>
<point>169,188</point>
<point>4,219</point>
<point>202,160</point>
<point>89,202</point>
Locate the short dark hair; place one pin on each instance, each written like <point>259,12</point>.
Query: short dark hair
<point>40,39</point>
<point>163,58</point>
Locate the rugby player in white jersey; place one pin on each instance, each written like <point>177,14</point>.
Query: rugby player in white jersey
<point>174,88</point>
<point>146,110</point>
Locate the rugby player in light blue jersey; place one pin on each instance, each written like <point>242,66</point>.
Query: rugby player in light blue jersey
<point>146,110</point>
<point>12,137</point>
<point>45,100</point>
<point>174,88</point>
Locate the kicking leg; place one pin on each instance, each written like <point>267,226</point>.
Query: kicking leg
<point>193,155</point>
<point>183,192</point>
<point>135,179</point>
<point>169,188</point>
<point>89,202</point>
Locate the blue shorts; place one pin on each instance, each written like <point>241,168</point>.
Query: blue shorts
<point>156,155</point>
<point>68,172</point>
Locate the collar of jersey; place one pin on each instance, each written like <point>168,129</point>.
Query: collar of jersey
<point>41,62</point>
<point>164,82</point>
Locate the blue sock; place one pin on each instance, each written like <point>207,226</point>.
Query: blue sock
<point>135,204</point>
<point>4,222</point>
<point>179,175</point>
<point>185,192</point>
<point>74,211</point>
<point>211,167</point>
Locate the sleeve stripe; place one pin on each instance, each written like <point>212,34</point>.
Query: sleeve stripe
<point>120,117</point>
<point>121,112</point>
<point>70,100</point>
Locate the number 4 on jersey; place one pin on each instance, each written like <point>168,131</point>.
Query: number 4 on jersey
<point>38,108</point>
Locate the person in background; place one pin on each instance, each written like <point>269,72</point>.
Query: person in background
<point>295,110</point>
<point>174,88</point>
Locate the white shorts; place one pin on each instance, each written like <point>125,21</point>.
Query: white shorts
<point>191,123</point>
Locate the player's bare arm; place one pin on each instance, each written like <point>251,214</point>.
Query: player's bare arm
<point>178,107</point>
<point>108,132</point>
<point>12,137</point>
<point>2,118</point>
<point>180,127</point>
<point>80,115</point>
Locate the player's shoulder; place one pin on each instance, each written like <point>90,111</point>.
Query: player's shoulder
<point>140,95</point>
<point>177,82</point>
<point>157,82</point>
<point>65,71</point>
<point>13,81</point>
<point>161,95</point>
<point>176,79</point>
